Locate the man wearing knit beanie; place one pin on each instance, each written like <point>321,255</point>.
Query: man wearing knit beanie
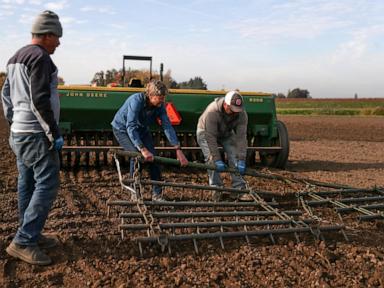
<point>47,22</point>
<point>31,106</point>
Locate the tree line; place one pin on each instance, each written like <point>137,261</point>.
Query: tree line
<point>295,93</point>
<point>3,75</point>
<point>114,77</point>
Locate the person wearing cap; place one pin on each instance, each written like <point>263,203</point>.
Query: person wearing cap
<point>224,123</point>
<point>130,127</point>
<point>31,106</point>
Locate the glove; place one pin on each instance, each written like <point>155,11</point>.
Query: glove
<point>241,166</point>
<point>220,166</point>
<point>58,143</point>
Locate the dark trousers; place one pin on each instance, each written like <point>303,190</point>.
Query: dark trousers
<point>126,143</point>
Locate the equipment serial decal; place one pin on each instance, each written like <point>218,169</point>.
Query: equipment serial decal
<point>256,100</point>
<point>87,94</point>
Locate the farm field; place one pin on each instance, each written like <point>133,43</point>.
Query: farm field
<point>345,150</point>
<point>369,106</point>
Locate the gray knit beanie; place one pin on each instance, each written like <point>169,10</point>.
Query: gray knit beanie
<point>47,22</point>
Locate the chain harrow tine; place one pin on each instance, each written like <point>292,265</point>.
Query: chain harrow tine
<point>167,222</point>
<point>341,206</point>
<point>281,215</point>
<point>194,240</point>
<point>162,240</point>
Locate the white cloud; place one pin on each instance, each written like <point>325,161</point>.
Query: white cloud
<point>356,48</point>
<point>6,10</point>
<point>100,9</point>
<point>56,6</point>
<point>35,2</point>
<point>199,30</point>
<point>350,51</point>
<point>118,26</point>
<point>333,48</point>
<point>71,20</point>
<point>278,29</point>
<point>26,18</point>
<point>316,7</point>
<point>182,6</point>
<point>293,20</point>
<point>6,7</point>
<point>13,2</point>
<point>301,19</point>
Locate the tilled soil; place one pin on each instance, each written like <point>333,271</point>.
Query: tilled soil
<point>344,150</point>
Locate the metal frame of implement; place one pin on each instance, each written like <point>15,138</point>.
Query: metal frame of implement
<point>160,221</point>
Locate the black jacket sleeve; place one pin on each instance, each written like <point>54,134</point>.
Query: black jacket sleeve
<point>41,72</point>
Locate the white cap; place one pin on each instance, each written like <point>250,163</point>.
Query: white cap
<point>234,100</point>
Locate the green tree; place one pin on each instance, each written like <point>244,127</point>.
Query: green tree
<point>168,80</point>
<point>104,78</point>
<point>193,83</point>
<point>278,95</point>
<point>298,93</point>
<point>3,75</point>
<point>98,79</point>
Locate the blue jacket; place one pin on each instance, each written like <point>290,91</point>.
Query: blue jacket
<point>135,116</point>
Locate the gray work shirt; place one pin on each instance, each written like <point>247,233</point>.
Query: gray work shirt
<point>219,125</point>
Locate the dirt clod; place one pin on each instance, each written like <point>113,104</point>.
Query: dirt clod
<point>91,253</point>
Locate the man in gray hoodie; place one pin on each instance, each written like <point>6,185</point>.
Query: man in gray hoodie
<point>31,106</point>
<point>224,123</point>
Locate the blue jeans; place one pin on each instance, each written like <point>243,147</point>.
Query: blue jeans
<point>229,145</point>
<point>38,183</point>
<point>126,143</point>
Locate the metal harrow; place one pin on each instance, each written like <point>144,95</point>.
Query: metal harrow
<point>367,203</point>
<point>169,222</point>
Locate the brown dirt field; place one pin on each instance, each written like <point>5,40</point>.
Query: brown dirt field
<point>346,150</point>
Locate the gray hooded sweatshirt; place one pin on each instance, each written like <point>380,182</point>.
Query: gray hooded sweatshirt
<point>218,125</point>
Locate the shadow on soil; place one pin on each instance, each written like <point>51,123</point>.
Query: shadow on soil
<point>113,250</point>
<point>317,165</point>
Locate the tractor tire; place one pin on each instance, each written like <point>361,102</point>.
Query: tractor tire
<point>278,160</point>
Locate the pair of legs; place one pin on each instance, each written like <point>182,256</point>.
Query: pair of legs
<point>229,145</point>
<point>38,183</point>
<point>154,169</point>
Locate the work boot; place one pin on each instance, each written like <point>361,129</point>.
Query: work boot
<point>30,254</point>
<point>47,241</point>
<point>158,198</point>
<point>246,197</point>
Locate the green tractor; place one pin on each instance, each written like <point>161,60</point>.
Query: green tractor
<point>86,113</point>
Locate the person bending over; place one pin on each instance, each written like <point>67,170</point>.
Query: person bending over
<point>131,129</point>
<point>224,122</point>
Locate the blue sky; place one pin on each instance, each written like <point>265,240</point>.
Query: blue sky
<point>331,48</point>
